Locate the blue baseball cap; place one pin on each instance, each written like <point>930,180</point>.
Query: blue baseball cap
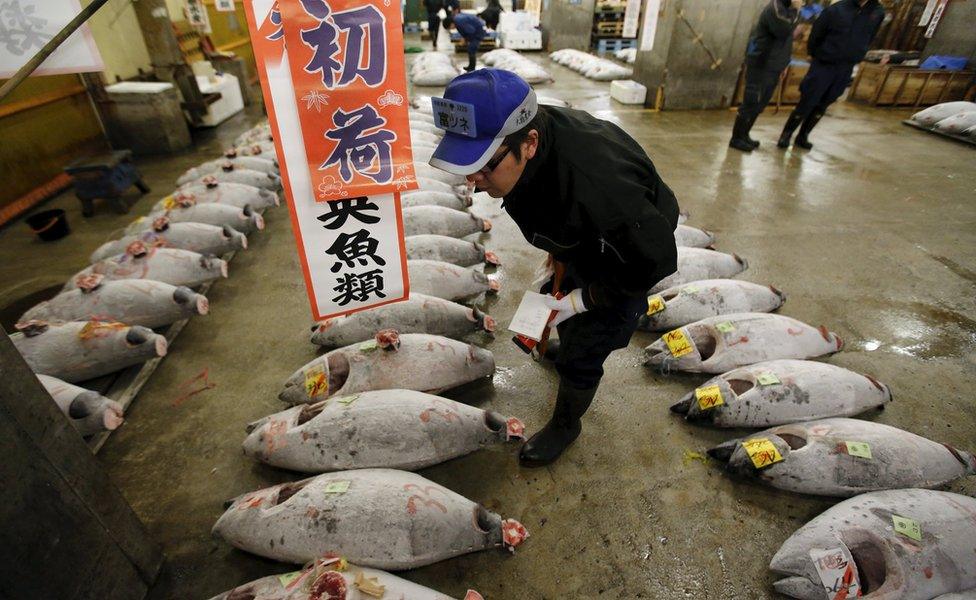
<point>477,111</point>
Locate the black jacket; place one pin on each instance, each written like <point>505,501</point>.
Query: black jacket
<point>592,198</point>
<point>771,41</point>
<point>843,32</point>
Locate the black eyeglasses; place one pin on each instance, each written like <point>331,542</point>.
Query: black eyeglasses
<point>493,163</point>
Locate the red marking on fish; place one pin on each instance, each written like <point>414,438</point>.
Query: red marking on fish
<point>423,496</point>
<point>928,572</point>
<point>794,332</point>
<point>741,340</point>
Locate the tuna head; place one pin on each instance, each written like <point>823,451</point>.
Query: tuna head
<point>694,344</point>
<point>748,457</point>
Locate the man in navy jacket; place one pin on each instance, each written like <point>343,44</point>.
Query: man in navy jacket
<point>472,29</point>
<point>840,38</point>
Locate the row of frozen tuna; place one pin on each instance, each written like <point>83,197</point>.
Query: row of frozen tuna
<point>510,60</point>
<point>590,66</point>
<point>950,118</point>
<point>890,540</point>
<point>433,69</point>
<point>104,317</point>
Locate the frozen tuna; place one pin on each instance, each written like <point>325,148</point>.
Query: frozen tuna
<point>258,133</point>
<point>195,237</point>
<point>692,237</point>
<point>957,124</point>
<point>132,301</point>
<point>433,185</point>
<point>719,344</point>
<point>438,220</point>
<point>262,148</point>
<point>418,136</point>
<point>418,314</point>
<point>933,114</point>
<point>425,125</point>
<point>843,457</point>
<point>896,544</point>
<point>698,263</point>
<point>77,350</point>
<point>396,429</point>
<point>451,282</point>
<point>232,194</point>
<point>448,249</point>
<point>777,392</point>
<point>427,198</point>
<point>415,361</point>
<point>379,518</point>
<point>684,304</point>
<point>252,163</point>
<point>246,220</point>
<point>88,411</point>
<point>169,265</point>
<point>228,173</point>
<point>332,578</point>
<point>429,172</point>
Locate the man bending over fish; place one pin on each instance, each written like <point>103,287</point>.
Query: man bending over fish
<point>585,192</point>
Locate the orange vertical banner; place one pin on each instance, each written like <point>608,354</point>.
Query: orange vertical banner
<point>346,59</point>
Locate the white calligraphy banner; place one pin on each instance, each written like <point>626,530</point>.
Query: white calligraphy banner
<point>351,249</point>
<point>26,25</point>
<point>649,30</point>
<point>631,19</point>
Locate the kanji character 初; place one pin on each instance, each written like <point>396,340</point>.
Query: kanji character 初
<point>20,31</point>
<point>362,145</point>
<point>365,29</point>
<point>349,248</point>
<point>357,287</point>
<point>322,40</point>
<point>341,210</point>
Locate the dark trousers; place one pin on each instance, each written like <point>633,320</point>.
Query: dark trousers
<point>822,85</point>
<point>433,26</point>
<point>587,339</point>
<point>760,84</point>
<point>473,46</point>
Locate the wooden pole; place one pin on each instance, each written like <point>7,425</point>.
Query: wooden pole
<point>49,48</point>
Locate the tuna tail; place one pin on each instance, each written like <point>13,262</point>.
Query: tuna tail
<point>723,452</point>
<point>884,389</point>
<point>782,296</point>
<point>743,262</point>
<point>966,458</point>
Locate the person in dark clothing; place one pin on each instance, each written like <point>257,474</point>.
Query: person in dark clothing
<point>491,14</point>
<point>768,53</point>
<point>472,29</point>
<point>839,39</point>
<point>584,191</point>
<point>433,8</point>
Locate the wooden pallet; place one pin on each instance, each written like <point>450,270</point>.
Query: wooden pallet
<point>613,45</point>
<point>609,28</point>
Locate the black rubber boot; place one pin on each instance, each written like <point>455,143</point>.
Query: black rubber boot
<point>562,429</point>
<point>753,142</point>
<point>740,135</point>
<point>791,124</point>
<point>471,63</point>
<point>552,350</point>
<point>808,124</point>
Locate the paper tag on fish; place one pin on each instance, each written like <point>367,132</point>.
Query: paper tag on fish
<point>860,449</point>
<point>691,289</point>
<point>655,304</point>
<point>169,203</point>
<point>725,327</point>
<point>369,585</point>
<point>368,346</point>
<point>762,452</point>
<point>767,378</point>
<point>709,396</point>
<point>907,527</point>
<point>337,487</point>
<point>316,383</point>
<point>837,572</point>
<point>347,400</point>
<point>287,578</point>
<point>678,343</point>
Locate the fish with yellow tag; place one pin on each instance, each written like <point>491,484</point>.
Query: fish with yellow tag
<point>940,565</point>
<point>845,457</point>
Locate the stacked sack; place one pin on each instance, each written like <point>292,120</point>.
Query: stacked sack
<point>592,67</point>
<point>510,60</point>
<point>433,69</point>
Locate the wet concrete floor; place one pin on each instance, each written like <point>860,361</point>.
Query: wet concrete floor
<point>872,233</point>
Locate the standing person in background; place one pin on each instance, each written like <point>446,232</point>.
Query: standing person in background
<point>839,39</point>
<point>768,53</point>
<point>433,8</point>
<point>472,29</point>
<point>491,14</point>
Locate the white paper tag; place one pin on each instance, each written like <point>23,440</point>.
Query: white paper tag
<point>455,117</point>
<point>837,572</point>
<point>531,317</point>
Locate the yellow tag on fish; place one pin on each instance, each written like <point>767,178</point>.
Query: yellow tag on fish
<point>316,383</point>
<point>725,327</point>
<point>762,452</point>
<point>907,527</point>
<point>368,346</point>
<point>678,343</point>
<point>767,378</point>
<point>860,449</point>
<point>369,585</point>
<point>287,578</point>
<point>655,304</point>
<point>337,487</point>
<point>709,396</point>
<point>169,203</point>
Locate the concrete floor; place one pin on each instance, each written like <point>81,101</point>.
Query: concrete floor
<point>872,233</point>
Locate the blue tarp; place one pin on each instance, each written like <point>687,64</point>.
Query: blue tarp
<point>949,63</point>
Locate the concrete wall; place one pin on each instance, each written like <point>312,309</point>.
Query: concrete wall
<point>119,40</point>
<point>956,33</point>
<point>567,25</point>
<point>678,64</point>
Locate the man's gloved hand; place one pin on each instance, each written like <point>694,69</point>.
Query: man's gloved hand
<point>569,305</point>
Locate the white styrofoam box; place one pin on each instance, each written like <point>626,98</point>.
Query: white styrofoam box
<point>521,40</point>
<point>517,21</point>
<point>138,87</point>
<point>627,91</point>
<point>230,102</point>
<point>203,68</point>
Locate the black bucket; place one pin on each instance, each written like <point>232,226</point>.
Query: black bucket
<point>49,225</point>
